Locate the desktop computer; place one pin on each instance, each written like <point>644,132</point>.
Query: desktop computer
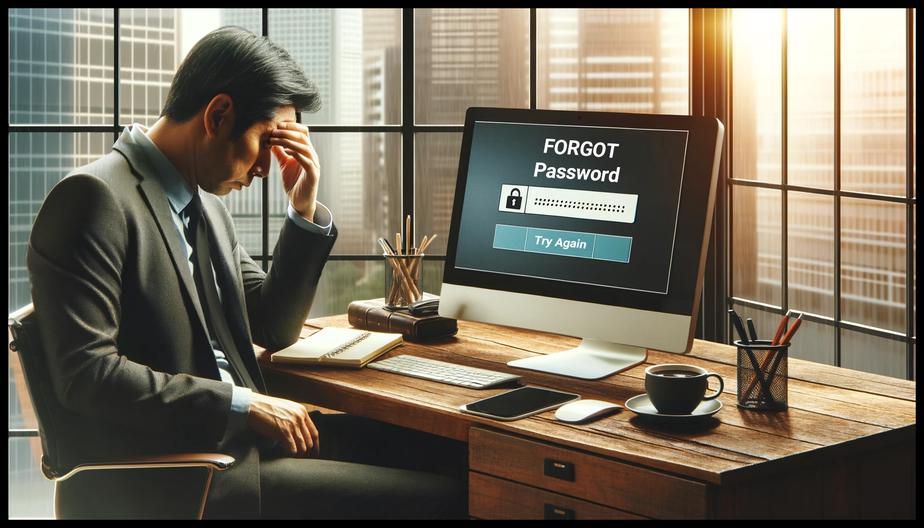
<point>588,224</point>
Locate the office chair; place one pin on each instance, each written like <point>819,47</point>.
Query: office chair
<point>185,477</point>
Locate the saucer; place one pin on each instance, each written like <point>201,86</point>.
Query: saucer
<point>642,406</point>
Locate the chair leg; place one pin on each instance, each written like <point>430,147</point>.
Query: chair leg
<point>205,493</point>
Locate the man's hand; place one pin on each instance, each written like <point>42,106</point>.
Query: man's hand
<point>285,421</point>
<point>301,169</point>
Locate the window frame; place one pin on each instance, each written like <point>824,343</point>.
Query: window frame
<point>710,94</point>
<point>909,200</point>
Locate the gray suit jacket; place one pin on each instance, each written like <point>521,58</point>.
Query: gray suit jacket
<point>120,318</point>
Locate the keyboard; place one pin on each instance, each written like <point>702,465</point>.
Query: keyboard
<point>443,372</point>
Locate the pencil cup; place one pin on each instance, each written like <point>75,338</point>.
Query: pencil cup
<point>762,376</point>
<point>402,280</point>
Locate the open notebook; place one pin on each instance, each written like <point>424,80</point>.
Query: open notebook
<point>347,347</point>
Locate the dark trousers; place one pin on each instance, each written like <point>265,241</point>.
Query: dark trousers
<point>367,470</point>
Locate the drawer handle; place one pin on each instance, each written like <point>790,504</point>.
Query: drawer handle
<point>553,512</point>
<point>560,470</point>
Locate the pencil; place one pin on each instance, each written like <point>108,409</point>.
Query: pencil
<point>407,235</point>
<point>424,244</point>
<point>396,283</point>
<point>410,289</point>
<point>780,328</point>
<point>792,330</point>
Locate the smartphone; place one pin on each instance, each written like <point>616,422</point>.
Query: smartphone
<point>519,403</point>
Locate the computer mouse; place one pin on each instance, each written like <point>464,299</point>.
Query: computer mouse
<point>584,410</point>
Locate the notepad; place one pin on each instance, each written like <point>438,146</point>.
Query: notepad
<point>347,347</point>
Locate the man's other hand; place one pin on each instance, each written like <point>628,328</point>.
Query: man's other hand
<point>285,421</point>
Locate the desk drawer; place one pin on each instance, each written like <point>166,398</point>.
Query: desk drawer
<point>594,478</point>
<point>493,498</point>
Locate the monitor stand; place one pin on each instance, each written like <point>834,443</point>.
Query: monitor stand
<point>593,359</point>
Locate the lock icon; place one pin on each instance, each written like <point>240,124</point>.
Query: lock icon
<point>514,201</point>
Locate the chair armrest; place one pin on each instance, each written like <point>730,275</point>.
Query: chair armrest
<point>212,461</point>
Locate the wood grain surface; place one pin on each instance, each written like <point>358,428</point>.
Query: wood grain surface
<point>845,412</point>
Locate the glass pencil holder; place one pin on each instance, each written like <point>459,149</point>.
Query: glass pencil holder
<point>763,375</point>
<point>402,280</point>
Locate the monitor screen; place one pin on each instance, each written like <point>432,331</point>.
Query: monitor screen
<point>601,207</point>
<point>580,205</point>
<point>608,211</point>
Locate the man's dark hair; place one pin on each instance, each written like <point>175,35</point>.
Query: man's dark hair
<point>258,75</point>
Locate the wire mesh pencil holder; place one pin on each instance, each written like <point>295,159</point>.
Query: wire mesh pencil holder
<point>763,375</point>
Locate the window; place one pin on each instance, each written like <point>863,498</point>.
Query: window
<point>822,200</point>
<point>394,85</point>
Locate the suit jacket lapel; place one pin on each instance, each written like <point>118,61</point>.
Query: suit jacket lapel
<point>156,200</point>
<point>232,292</point>
<point>232,295</point>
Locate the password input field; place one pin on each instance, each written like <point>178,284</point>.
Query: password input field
<point>569,203</point>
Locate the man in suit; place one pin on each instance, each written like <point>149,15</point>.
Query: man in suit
<point>148,305</point>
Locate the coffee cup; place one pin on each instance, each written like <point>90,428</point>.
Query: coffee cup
<point>679,389</point>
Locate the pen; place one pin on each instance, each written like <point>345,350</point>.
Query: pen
<point>752,331</point>
<point>739,327</point>
<point>387,243</point>
<point>777,340</point>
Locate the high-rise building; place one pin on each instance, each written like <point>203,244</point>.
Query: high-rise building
<point>463,57</point>
<point>873,277</point>
<point>61,73</point>
<point>327,43</point>
<point>613,60</point>
<point>381,106</point>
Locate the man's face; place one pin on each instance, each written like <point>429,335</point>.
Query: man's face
<point>248,157</point>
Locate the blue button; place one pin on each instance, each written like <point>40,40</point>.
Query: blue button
<point>556,242</point>
<point>565,243</point>
<point>615,248</point>
<point>509,237</point>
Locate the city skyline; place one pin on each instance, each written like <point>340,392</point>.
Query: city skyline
<point>576,72</point>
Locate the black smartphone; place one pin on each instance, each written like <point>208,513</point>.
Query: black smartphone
<point>519,403</point>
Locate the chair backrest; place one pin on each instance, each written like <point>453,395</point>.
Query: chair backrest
<point>27,342</point>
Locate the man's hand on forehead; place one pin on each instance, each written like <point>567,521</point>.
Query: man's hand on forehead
<point>301,168</point>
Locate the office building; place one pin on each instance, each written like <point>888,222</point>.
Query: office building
<point>782,129</point>
<point>872,238</point>
<point>613,60</point>
<point>61,72</point>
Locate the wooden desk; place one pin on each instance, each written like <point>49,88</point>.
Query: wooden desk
<point>845,447</point>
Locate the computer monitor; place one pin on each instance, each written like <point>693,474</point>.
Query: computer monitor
<point>588,224</point>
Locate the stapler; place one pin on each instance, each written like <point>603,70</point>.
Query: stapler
<point>424,307</point>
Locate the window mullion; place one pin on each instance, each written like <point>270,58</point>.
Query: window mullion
<point>407,116</point>
<point>837,187</point>
<point>909,191</point>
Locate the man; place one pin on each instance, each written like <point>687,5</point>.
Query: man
<point>148,306</point>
